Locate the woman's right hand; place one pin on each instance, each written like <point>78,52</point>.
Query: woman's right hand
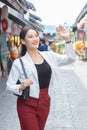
<point>64,33</point>
<point>27,82</point>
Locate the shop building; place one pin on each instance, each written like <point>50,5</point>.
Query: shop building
<point>80,25</point>
<point>12,20</point>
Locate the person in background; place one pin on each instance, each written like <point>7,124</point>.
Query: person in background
<point>42,45</point>
<point>52,46</point>
<point>43,75</point>
<point>9,61</point>
<point>1,68</point>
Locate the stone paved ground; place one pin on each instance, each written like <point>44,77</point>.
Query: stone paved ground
<point>2,84</point>
<point>71,109</point>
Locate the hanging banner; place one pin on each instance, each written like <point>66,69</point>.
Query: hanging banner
<point>4,50</point>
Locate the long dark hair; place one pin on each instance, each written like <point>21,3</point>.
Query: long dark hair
<point>22,36</point>
<point>23,50</point>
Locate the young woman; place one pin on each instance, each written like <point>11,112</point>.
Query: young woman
<point>42,75</point>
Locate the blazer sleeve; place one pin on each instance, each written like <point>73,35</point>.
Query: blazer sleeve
<point>67,58</point>
<point>13,78</point>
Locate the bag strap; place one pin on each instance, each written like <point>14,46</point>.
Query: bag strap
<point>26,91</point>
<point>23,68</point>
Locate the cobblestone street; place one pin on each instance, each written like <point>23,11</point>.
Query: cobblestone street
<point>72,104</point>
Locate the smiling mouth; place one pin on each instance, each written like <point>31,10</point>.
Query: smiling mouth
<point>36,43</point>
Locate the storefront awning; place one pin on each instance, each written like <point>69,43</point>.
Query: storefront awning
<point>15,4</point>
<point>35,17</point>
<point>17,20</point>
<point>16,17</point>
<point>24,23</point>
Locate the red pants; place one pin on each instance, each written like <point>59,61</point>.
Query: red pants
<point>33,112</point>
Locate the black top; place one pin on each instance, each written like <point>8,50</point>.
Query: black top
<point>44,74</point>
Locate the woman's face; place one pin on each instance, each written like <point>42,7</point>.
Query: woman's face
<point>32,39</point>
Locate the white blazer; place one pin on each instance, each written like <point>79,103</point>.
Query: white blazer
<point>54,60</point>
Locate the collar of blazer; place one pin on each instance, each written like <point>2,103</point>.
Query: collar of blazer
<point>47,56</point>
<point>29,64</point>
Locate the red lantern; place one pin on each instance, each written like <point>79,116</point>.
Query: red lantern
<point>4,25</point>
